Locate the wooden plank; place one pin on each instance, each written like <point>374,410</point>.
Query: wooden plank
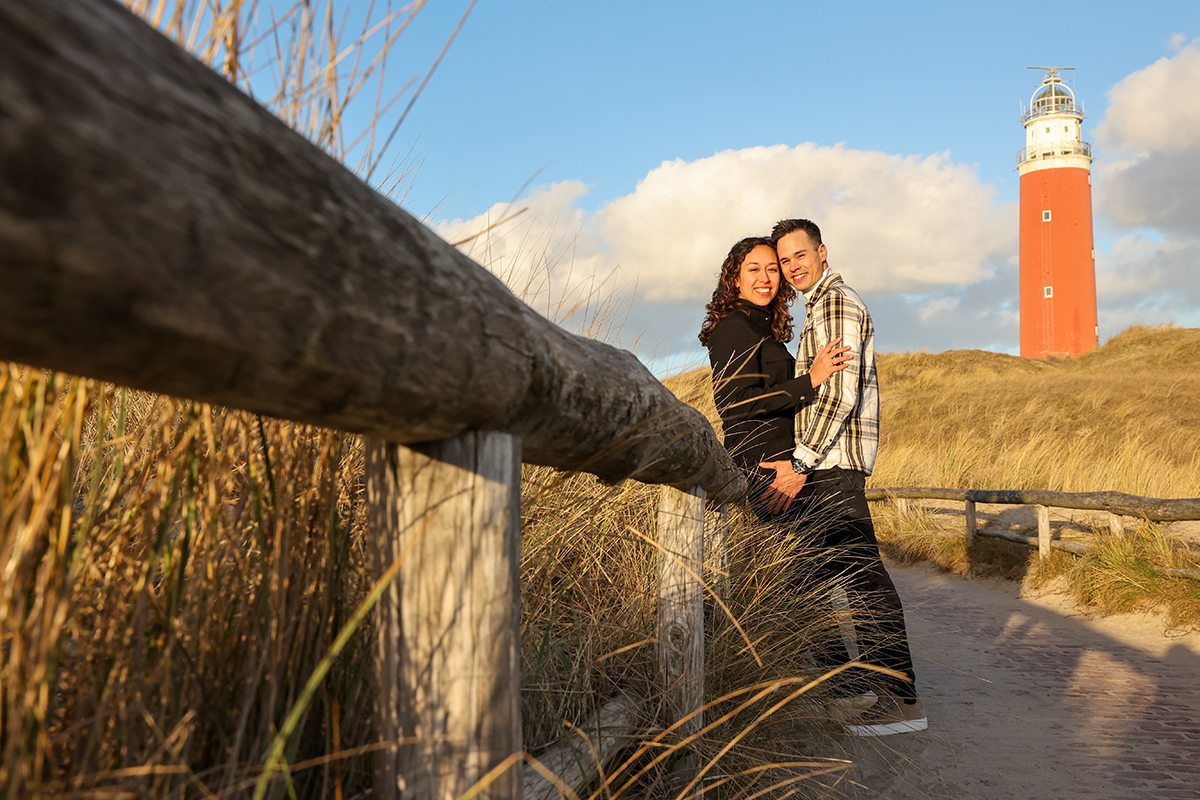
<point>915,493</point>
<point>161,230</point>
<point>1115,525</point>
<point>972,523</point>
<point>680,629</point>
<point>716,548</point>
<point>1032,541</point>
<point>448,658</point>
<point>578,758</point>
<point>1044,538</point>
<point>1166,510</point>
<point>1175,572</point>
<point>1150,508</point>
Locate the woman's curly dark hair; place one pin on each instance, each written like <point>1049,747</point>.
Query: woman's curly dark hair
<point>725,296</point>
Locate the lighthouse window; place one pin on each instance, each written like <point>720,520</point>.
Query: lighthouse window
<point>1046,218</point>
<point>1047,129</point>
<point>1048,291</point>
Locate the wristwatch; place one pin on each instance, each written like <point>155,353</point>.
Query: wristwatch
<point>801,468</point>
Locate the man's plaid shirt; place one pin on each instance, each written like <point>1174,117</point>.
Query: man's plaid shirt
<point>841,427</point>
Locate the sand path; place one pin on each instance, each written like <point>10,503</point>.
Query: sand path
<point>1028,699</point>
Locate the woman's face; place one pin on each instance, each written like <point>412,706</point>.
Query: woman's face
<point>758,278</point>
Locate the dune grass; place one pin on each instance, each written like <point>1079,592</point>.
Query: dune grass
<point>1125,417</point>
<point>175,573</point>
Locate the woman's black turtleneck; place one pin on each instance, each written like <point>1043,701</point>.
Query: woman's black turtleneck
<point>755,392</point>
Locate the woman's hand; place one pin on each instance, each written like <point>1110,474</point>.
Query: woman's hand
<point>829,359</point>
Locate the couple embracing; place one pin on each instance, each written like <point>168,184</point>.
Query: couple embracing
<point>805,430</point>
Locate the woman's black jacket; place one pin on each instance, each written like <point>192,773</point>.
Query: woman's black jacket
<point>755,392</point>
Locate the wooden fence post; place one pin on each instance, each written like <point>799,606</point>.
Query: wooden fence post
<point>1043,520</point>
<point>972,523</point>
<point>1116,525</point>
<point>716,549</point>
<point>680,631</point>
<point>448,513</point>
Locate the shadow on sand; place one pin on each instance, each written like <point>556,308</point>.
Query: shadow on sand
<point>1028,699</point>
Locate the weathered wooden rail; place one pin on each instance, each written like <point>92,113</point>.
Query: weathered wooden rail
<point>1116,504</point>
<point>160,230</point>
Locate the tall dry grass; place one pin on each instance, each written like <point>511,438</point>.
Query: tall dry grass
<point>1125,417</point>
<point>174,574</point>
<point>589,566</point>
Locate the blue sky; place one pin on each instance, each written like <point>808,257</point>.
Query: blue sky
<point>672,129</point>
<point>608,91</point>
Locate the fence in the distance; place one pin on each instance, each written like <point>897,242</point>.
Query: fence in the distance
<point>1116,504</point>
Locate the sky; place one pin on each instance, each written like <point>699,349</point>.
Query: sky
<point>639,140</point>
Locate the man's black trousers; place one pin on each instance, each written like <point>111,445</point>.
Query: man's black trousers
<point>834,504</point>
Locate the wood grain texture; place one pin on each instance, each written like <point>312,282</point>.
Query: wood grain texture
<point>972,523</point>
<point>1044,533</point>
<point>680,629</point>
<point>160,230</point>
<point>1128,505</point>
<point>579,758</point>
<point>448,636</point>
<point>716,548</point>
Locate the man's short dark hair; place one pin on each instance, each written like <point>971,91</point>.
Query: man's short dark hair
<point>786,226</point>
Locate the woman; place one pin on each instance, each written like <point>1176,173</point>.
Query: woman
<point>747,324</point>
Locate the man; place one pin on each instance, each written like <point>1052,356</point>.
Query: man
<point>837,436</point>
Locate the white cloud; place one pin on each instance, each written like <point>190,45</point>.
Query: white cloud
<point>1176,42</point>
<point>890,222</point>
<point>1125,271</point>
<point>981,315</point>
<point>911,224</point>
<point>1157,109</point>
<point>1148,185</point>
<point>937,308</point>
<point>543,249</point>
<point>1149,282</point>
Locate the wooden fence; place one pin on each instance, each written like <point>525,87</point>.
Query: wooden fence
<point>1116,504</point>
<point>160,230</point>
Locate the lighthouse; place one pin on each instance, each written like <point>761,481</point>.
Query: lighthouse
<point>1058,260</point>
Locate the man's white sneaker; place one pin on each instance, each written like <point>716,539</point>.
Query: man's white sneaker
<point>891,715</point>
<point>845,709</point>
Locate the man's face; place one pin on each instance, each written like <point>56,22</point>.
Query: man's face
<point>801,261</point>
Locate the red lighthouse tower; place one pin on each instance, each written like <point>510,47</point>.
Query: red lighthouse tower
<point>1058,262</point>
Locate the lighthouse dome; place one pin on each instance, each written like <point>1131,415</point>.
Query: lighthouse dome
<point>1051,98</point>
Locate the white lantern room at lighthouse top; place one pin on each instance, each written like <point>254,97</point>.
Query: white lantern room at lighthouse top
<point>1053,135</point>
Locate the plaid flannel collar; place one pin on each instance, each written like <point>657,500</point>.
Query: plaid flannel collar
<point>828,280</point>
